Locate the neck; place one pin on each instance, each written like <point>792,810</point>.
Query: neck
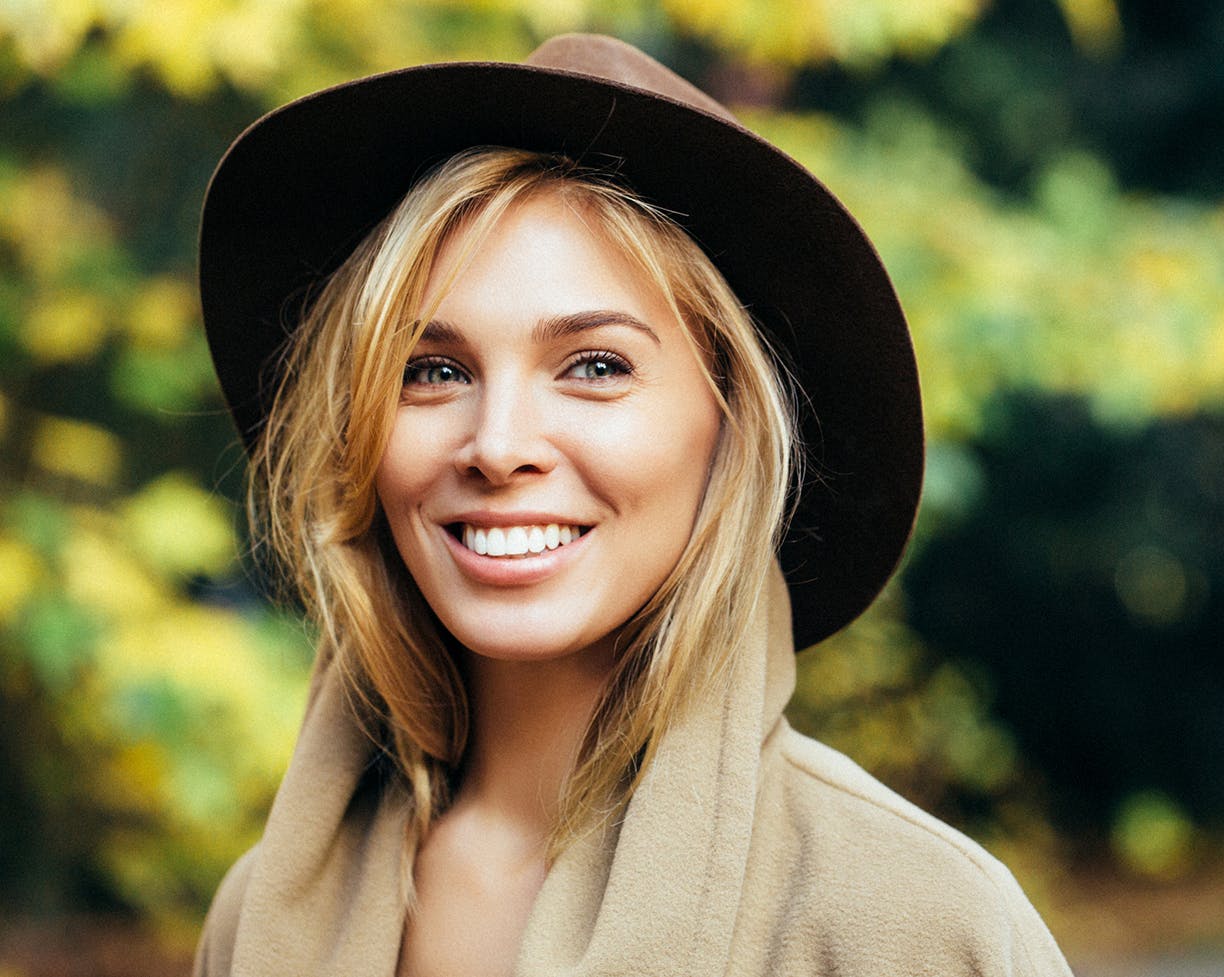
<point>528,721</point>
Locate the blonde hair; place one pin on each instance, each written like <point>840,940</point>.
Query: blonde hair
<point>314,506</point>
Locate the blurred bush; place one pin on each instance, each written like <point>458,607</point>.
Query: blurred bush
<point>148,698</point>
<point>1087,583</point>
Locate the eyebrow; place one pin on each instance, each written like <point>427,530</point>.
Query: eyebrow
<point>550,329</point>
<point>560,326</point>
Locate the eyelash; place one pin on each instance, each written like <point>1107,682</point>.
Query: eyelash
<point>427,363</point>
<point>622,366</point>
<point>415,368</point>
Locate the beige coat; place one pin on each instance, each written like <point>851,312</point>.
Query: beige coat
<point>747,850</point>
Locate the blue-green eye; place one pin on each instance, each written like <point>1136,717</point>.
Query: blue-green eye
<point>432,373</point>
<point>598,369</point>
<point>598,366</point>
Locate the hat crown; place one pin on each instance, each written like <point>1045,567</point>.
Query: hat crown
<point>613,60</point>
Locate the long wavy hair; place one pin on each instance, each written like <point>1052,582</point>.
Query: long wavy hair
<point>314,508</point>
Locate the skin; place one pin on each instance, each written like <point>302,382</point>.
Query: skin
<point>553,385</point>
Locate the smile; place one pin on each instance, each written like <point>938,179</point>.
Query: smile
<point>516,542</point>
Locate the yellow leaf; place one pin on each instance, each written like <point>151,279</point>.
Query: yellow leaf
<point>1153,836</point>
<point>1095,24</point>
<point>77,449</point>
<point>47,225</point>
<point>100,575</point>
<point>215,657</point>
<point>799,32</point>
<point>64,328</point>
<point>162,313</point>
<point>47,33</point>
<point>179,528</point>
<point>192,44</point>
<point>137,774</point>
<point>22,572</point>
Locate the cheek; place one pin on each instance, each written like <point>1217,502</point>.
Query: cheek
<point>667,467</point>
<point>410,468</point>
<point>419,449</point>
<point>394,475</point>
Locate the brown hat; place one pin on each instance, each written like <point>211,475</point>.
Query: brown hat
<point>299,189</point>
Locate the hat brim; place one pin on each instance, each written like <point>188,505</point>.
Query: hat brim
<point>301,187</point>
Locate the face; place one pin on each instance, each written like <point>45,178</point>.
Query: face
<point>552,442</point>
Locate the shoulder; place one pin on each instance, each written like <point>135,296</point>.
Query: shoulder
<point>214,954</point>
<point>869,871</point>
<point>826,791</point>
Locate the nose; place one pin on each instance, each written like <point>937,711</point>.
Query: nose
<point>507,435</point>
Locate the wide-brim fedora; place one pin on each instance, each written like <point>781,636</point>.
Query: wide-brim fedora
<point>298,190</point>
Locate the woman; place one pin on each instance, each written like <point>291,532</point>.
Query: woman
<point>526,456</point>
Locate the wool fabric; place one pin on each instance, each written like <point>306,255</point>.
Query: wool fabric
<point>747,849</point>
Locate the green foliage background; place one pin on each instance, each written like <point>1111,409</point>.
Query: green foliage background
<point>149,699</point>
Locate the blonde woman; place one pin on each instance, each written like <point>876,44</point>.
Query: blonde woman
<point>511,348</point>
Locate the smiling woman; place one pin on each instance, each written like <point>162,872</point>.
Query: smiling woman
<point>527,459</point>
<point>546,427</point>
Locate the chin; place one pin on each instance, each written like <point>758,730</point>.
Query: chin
<point>510,643</point>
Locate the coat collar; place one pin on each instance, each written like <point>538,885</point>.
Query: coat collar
<point>657,893</point>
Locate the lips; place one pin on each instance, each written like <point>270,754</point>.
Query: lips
<point>515,542</point>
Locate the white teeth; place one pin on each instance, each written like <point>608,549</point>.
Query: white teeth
<point>517,541</point>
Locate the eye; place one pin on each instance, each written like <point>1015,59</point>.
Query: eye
<point>433,371</point>
<point>597,366</point>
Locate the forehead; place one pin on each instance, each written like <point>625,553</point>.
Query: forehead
<point>549,252</point>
